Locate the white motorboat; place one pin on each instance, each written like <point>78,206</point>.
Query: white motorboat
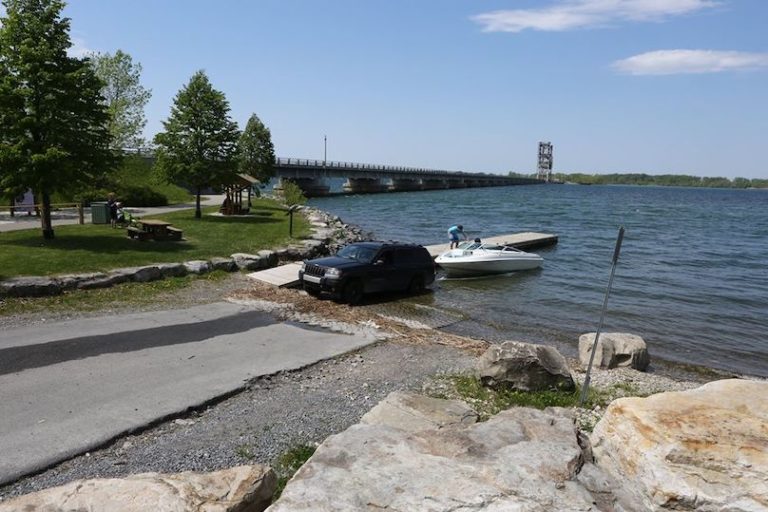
<point>476,259</point>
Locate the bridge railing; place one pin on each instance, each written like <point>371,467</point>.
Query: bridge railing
<point>332,164</point>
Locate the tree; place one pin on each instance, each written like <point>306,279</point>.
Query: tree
<point>199,144</point>
<point>124,96</point>
<point>292,193</point>
<point>53,123</point>
<point>257,154</point>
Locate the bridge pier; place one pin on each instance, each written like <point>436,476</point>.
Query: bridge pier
<point>433,184</point>
<point>460,183</point>
<point>405,184</point>
<point>364,186</point>
<point>311,187</point>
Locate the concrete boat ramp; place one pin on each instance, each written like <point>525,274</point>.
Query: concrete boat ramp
<point>288,275</point>
<point>281,276</point>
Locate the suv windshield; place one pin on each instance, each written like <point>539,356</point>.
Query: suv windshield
<point>358,253</point>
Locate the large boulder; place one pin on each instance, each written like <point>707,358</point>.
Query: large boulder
<point>245,261</point>
<point>143,274</point>
<point>703,449</point>
<point>270,257</point>
<point>197,266</point>
<point>520,460</point>
<point>411,411</point>
<point>104,280</point>
<point>225,264</point>
<point>172,269</point>
<point>239,489</point>
<point>614,350</point>
<point>72,281</point>
<point>524,367</point>
<point>31,286</point>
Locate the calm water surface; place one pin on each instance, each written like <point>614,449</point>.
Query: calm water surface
<point>692,278</point>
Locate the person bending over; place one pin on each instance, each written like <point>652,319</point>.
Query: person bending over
<point>454,232</point>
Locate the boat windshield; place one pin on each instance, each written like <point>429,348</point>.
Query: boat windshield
<point>474,246</point>
<point>357,253</point>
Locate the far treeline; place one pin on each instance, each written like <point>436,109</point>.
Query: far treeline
<point>665,180</point>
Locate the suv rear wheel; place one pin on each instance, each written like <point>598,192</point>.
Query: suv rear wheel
<point>417,285</point>
<point>353,292</point>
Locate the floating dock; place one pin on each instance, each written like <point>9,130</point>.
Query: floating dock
<point>523,241</point>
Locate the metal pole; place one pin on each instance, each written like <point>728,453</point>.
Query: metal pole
<point>325,149</point>
<point>616,251</point>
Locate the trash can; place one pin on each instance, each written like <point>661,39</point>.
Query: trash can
<point>100,213</point>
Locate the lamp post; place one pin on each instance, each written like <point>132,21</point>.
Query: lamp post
<point>325,150</point>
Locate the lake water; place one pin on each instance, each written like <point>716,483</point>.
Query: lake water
<point>692,277</point>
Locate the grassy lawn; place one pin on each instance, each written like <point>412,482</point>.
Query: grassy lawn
<point>98,247</point>
<point>131,295</point>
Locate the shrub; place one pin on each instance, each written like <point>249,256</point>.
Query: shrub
<point>141,196</point>
<point>292,193</point>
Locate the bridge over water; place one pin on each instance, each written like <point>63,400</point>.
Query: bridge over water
<point>311,176</point>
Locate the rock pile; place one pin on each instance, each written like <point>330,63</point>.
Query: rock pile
<point>704,449</point>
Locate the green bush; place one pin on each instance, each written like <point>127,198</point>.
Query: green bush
<point>87,196</point>
<point>292,193</point>
<point>140,196</point>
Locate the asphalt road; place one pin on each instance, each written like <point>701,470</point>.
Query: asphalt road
<point>69,387</point>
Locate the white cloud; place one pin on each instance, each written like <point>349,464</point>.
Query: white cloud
<point>78,48</point>
<point>573,14</point>
<point>672,62</point>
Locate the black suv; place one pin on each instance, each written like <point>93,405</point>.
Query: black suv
<point>367,267</point>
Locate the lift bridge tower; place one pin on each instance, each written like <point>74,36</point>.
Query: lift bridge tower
<point>545,161</point>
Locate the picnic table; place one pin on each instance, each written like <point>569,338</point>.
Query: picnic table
<point>154,229</point>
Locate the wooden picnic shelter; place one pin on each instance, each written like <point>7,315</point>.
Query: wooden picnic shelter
<point>233,202</point>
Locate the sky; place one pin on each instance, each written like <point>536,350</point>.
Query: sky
<point>651,86</point>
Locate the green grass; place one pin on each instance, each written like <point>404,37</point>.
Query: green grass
<point>244,452</point>
<point>488,402</point>
<point>289,463</point>
<point>97,247</point>
<point>116,298</point>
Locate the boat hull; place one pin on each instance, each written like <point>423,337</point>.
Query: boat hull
<point>466,267</point>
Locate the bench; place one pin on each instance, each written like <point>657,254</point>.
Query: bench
<point>135,232</point>
<point>174,233</point>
